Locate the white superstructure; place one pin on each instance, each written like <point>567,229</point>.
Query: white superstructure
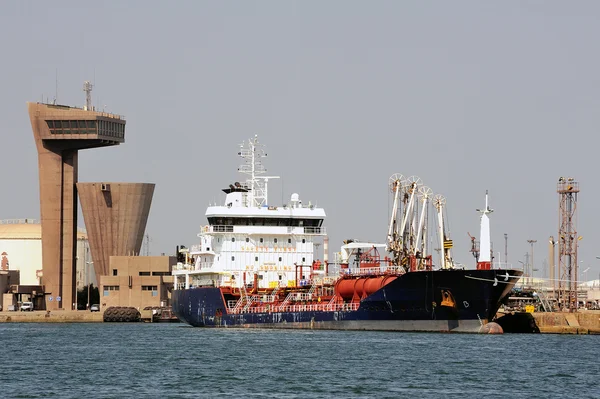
<point>250,241</point>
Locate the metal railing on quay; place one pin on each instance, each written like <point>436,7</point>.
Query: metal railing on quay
<point>19,221</point>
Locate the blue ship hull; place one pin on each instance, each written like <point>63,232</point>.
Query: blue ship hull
<point>412,302</point>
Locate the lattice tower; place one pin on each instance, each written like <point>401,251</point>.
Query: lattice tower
<point>567,189</point>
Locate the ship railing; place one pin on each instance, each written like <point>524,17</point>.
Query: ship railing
<point>205,265</point>
<point>217,229</point>
<point>365,271</point>
<point>252,299</point>
<point>502,265</point>
<point>313,288</point>
<point>329,279</point>
<point>267,298</point>
<point>287,299</point>
<point>183,266</point>
<point>274,293</point>
<point>320,307</point>
<point>315,230</point>
<point>301,296</point>
<point>242,301</point>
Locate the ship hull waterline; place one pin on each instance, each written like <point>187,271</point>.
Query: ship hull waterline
<point>412,302</point>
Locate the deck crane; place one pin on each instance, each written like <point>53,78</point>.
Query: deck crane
<point>394,241</point>
<point>411,188</point>
<point>421,245</point>
<point>439,202</point>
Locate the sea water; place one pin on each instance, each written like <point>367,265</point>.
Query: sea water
<point>111,360</point>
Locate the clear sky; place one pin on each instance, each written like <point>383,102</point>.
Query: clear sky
<point>468,95</point>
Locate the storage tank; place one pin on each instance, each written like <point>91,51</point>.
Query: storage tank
<point>21,249</point>
<point>355,289</point>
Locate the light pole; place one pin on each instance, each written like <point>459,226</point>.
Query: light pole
<point>87,282</point>
<point>532,264</point>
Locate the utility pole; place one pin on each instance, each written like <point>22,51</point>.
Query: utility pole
<point>532,267</point>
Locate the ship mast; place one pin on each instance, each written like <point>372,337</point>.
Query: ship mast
<point>258,185</point>
<point>485,251</point>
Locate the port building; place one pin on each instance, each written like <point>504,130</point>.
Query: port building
<point>60,132</point>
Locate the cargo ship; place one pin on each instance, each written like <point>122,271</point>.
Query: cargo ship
<point>255,266</point>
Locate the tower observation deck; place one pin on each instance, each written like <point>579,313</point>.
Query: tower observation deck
<point>60,132</point>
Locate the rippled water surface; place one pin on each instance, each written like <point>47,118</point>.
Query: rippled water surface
<point>177,361</point>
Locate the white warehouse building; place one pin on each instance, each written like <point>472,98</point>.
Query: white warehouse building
<point>21,249</point>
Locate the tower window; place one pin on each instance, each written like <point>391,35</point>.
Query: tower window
<point>261,240</point>
<point>275,240</point>
<point>303,241</point>
<point>289,240</point>
<point>280,258</point>
<point>247,239</point>
<point>233,258</point>
<point>256,258</point>
<point>232,239</point>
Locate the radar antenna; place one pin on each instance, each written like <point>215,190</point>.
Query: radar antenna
<point>87,87</point>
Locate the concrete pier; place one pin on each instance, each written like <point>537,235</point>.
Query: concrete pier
<point>585,322</point>
<point>53,316</point>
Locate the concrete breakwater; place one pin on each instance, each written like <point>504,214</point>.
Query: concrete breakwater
<point>56,316</point>
<point>585,322</point>
<point>65,316</point>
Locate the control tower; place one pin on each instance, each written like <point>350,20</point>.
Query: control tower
<point>60,132</point>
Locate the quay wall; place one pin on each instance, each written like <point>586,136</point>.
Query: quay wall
<point>586,322</point>
<point>56,316</point>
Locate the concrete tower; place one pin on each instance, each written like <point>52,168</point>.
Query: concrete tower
<point>60,132</point>
<point>115,216</point>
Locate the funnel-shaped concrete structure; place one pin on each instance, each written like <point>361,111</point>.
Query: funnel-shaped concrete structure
<point>60,132</point>
<point>115,216</point>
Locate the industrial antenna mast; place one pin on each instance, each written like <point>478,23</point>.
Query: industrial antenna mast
<point>87,87</point>
<point>567,189</point>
